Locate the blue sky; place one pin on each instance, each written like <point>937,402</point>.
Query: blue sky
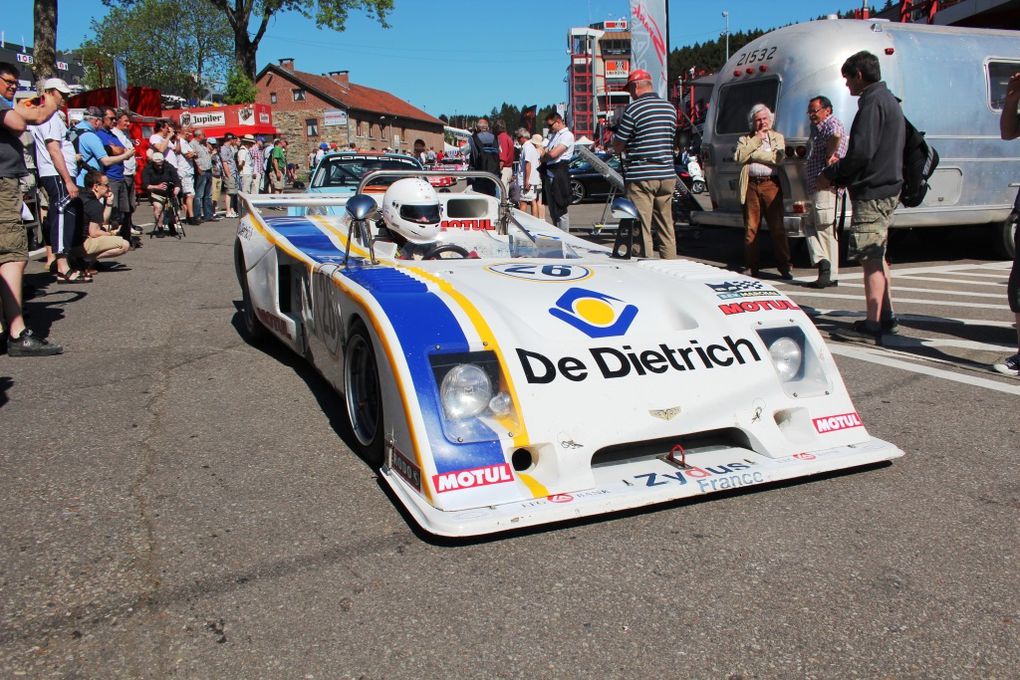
<point>445,56</point>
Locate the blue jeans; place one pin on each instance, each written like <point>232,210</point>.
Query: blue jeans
<point>203,196</point>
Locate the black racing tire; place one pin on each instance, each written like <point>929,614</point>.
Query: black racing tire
<point>1004,237</point>
<point>363,395</point>
<point>253,329</point>
<point>577,192</point>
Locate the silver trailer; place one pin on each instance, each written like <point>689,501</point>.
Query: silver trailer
<point>951,81</point>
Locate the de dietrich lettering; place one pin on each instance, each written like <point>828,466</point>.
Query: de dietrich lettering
<point>611,362</point>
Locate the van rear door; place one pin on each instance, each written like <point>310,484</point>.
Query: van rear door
<point>729,123</point>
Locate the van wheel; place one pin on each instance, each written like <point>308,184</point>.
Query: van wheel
<point>1004,237</point>
<point>363,395</point>
<point>253,329</point>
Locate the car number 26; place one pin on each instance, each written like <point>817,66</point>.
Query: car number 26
<point>764,54</point>
<point>542,272</point>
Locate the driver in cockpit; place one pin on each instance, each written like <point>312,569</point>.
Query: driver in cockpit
<point>410,217</point>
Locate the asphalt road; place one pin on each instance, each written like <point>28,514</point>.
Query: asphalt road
<point>176,503</point>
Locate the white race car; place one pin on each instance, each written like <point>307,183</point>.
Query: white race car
<point>537,377</point>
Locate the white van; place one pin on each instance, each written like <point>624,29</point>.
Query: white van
<point>951,81</point>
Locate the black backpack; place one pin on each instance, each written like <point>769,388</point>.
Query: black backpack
<point>487,156</point>
<point>919,162</point>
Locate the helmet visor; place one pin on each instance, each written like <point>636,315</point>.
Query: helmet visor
<point>420,214</point>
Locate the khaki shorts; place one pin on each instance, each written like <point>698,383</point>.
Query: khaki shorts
<point>13,235</point>
<point>277,182</point>
<point>869,227</point>
<point>100,244</point>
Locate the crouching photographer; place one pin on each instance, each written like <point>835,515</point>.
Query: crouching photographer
<point>161,181</point>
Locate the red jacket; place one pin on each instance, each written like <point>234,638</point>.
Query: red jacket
<point>506,150</point>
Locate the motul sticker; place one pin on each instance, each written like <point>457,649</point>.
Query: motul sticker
<point>756,306</point>
<point>843,421</point>
<point>470,225</point>
<point>467,479</point>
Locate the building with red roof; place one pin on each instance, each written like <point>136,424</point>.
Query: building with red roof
<point>310,109</point>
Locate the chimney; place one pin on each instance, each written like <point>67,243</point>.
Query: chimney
<point>341,78</point>
<point>287,63</point>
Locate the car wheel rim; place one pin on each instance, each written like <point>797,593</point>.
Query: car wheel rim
<point>361,387</point>
<point>576,191</point>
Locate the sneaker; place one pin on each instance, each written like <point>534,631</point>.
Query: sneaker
<point>137,231</point>
<point>786,276</point>
<point>27,345</point>
<point>891,325</point>
<point>1009,365</point>
<point>859,332</point>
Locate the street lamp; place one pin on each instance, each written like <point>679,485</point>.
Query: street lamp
<point>726,16</point>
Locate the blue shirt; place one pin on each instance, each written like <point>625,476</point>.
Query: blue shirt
<point>115,171</point>
<point>91,149</point>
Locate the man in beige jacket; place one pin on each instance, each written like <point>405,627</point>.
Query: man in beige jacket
<point>760,153</point>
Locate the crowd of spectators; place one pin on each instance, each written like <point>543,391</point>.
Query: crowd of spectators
<point>86,200</point>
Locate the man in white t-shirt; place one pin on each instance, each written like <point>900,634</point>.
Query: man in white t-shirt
<point>128,200</point>
<point>556,182</point>
<point>528,177</point>
<point>245,166</point>
<point>57,165</point>
<point>161,141</point>
<point>186,171</point>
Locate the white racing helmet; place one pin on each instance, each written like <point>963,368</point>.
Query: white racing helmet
<point>411,209</point>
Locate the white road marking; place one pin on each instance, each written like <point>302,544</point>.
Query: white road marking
<point>908,341</point>
<point>872,356</point>
<point>987,276</point>
<point>935,291</point>
<point>916,277</point>
<point>898,300</point>
<point>839,313</point>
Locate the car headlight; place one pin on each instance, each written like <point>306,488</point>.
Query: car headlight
<point>465,391</point>
<point>474,401</point>
<point>787,357</point>
<point>797,364</point>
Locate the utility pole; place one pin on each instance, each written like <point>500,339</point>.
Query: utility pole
<point>726,16</point>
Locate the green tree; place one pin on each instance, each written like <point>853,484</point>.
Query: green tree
<point>172,45</point>
<point>45,15</point>
<point>326,13</point>
<point>240,88</point>
<point>239,14</point>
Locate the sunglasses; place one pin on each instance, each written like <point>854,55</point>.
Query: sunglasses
<point>11,82</point>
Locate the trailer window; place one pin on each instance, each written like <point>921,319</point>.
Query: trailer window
<point>999,73</point>
<point>735,102</point>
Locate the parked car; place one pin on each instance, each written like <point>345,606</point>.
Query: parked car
<point>341,172</point>
<point>586,184</point>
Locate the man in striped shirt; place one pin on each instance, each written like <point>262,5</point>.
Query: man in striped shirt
<point>645,133</point>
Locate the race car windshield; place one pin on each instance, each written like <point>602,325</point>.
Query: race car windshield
<point>420,214</point>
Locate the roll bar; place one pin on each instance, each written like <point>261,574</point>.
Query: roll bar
<point>502,222</point>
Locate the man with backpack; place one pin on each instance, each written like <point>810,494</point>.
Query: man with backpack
<point>872,171</point>
<point>484,149</point>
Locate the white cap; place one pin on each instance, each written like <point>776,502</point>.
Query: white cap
<point>157,156</point>
<point>56,84</point>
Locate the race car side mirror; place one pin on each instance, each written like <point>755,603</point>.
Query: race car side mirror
<point>360,206</point>
<point>623,209</point>
<point>630,220</point>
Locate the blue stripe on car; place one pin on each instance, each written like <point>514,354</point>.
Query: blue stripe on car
<point>422,321</point>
